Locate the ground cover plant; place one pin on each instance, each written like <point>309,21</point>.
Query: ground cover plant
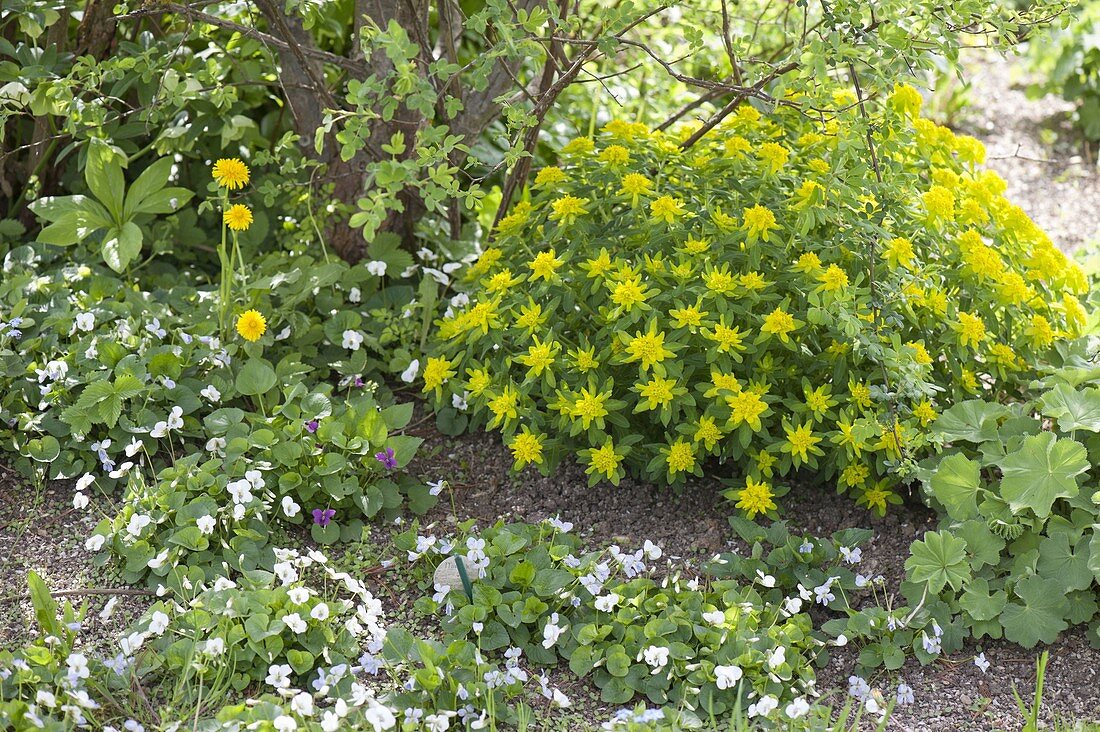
<point>267,266</point>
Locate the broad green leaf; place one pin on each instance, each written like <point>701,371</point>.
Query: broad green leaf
<point>974,420</point>
<point>980,603</point>
<point>938,560</point>
<point>122,246</point>
<point>256,377</point>
<point>1043,470</point>
<point>1059,561</point>
<point>955,484</point>
<point>164,201</point>
<point>1094,552</point>
<point>1041,617</point>
<point>103,174</point>
<point>983,546</point>
<point>45,608</point>
<point>1073,409</point>
<point>151,180</point>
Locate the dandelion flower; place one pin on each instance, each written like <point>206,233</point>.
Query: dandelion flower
<point>251,325</point>
<point>230,173</point>
<point>238,217</point>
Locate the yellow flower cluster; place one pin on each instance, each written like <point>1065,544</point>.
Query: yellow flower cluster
<point>652,307</point>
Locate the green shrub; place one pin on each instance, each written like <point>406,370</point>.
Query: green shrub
<point>652,306</point>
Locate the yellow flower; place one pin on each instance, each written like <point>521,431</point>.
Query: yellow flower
<point>657,392</point>
<point>808,262</point>
<point>603,460</point>
<point>906,100</point>
<point>833,279</point>
<point>502,281</point>
<point>707,432</point>
<point>755,498</point>
<point>810,193</point>
<point>753,281</point>
<point>629,293</point>
<point>680,457</point>
<point>485,262</point>
<point>514,221</point>
<point>615,155</point>
<point>530,316</point>
<point>667,209</point>
<point>877,497</point>
<point>720,280</point>
<point>855,474</point>
<point>539,357</point>
<point>765,461</point>
<point>723,221</point>
<point>1039,331</point>
<point>230,173</point>
<point>503,407</point>
<point>549,176</point>
<point>544,265</point>
<point>478,381</point>
<point>635,185</point>
<point>736,146</point>
<point>436,373</point>
<point>1002,354</point>
<point>925,412</point>
<point>526,448</point>
<point>600,265</point>
<point>728,339</point>
<point>567,209</point>
<point>759,222</point>
<point>584,358</point>
<point>746,407</point>
<point>251,325</point>
<point>970,328</point>
<point>819,400</point>
<point>774,155</point>
<point>801,441</point>
<point>238,217</point>
<point>590,407</point>
<point>920,353</point>
<point>939,203</point>
<point>579,146</point>
<point>780,324</point>
<point>892,439</point>
<point>898,253</point>
<point>860,394</point>
<point>647,348</point>
<point>695,246</point>
<point>688,317</point>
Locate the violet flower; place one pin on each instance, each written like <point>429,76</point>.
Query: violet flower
<point>386,457</point>
<point>311,426</point>
<point>322,517</point>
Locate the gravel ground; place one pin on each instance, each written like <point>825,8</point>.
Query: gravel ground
<point>1053,178</point>
<point>1058,187</point>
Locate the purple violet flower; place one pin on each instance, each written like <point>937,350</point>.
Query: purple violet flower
<point>322,517</point>
<point>311,426</point>
<point>387,458</point>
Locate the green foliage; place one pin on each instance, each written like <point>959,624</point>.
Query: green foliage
<point>732,641</point>
<point>1068,59</point>
<point>758,298</point>
<point>1017,552</point>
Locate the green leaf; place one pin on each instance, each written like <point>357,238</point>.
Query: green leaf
<point>151,180</point>
<point>979,603</point>
<point>45,608</point>
<point>164,201</point>
<point>938,560</point>
<point>1041,617</point>
<point>122,246</point>
<point>256,377</point>
<point>983,546</point>
<point>103,174</point>
<point>1043,470</point>
<point>1058,561</point>
<point>955,484</point>
<point>1073,409</point>
<point>300,661</point>
<point>971,421</point>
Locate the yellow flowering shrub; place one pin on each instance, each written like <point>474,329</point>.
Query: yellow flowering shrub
<point>756,298</point>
